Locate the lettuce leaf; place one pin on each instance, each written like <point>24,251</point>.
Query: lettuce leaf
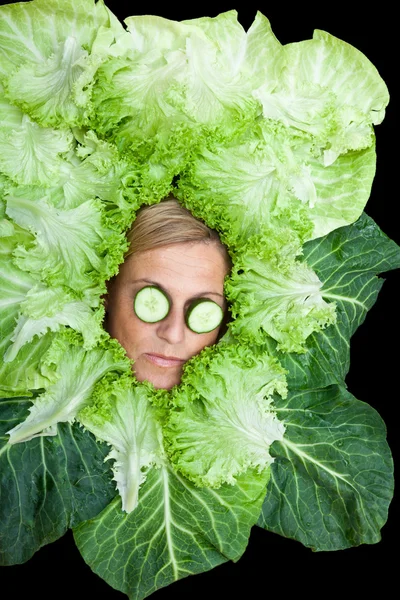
<point>69,244</point>
<point>329,89</point>
<point>31,154</point>
<point>269,176</point>
<point>41,65</point>
<point>121,414</point>
<point>273,294</point>
<point>172,80</point>
<point>50,309</point>
<point>78,371</point>
<point>222,422</point>
<point>23,375</point>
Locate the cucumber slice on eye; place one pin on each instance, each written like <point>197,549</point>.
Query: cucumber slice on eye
<point>204,315</point>
<point>151,304</point>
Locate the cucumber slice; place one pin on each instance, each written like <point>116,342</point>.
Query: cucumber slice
<point>204,315</point>
<point>151,304</point>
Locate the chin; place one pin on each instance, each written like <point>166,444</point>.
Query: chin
<point>161,378</point>
<point>166,385</point>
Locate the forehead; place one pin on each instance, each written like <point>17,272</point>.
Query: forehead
<point>184,267</point>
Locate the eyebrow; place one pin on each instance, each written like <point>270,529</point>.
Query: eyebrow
<point>164,290</point>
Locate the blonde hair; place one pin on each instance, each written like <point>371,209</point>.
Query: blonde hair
<point>166,223</point>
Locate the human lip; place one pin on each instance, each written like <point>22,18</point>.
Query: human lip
<point>164,361</point>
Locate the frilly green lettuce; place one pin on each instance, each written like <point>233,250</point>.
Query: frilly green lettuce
<point>78,246</point>
<point>270,172</point>
<point>319,93</point>
<point>49,309</point>
<point>222,421</point>
<point>31,154</point>
<point>121,414</point>
<point>68,395</point>
<point>274,295</point>
<point>42,64</point>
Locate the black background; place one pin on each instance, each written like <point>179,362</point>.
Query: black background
<point>374,374</point>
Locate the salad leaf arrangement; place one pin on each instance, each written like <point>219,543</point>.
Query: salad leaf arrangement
<point>273,146</point>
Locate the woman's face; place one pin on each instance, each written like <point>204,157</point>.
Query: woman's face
<point>185,271</point>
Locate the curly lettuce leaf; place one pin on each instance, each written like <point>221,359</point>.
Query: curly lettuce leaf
<point>51,309</point>
<point>120,413</point>
<point>91,168</point>
<point>243,185</point>
<point>218,88</point>
<point>41,65</point>
<point>97,170</point>
<point>264,54</point>
<point>20,376</point>
<point>273,294</point>
<point>26,373</point>
<point>73,247</point>
<point>329,89</point>
<point>192,74</point>
<point>31,154</point>
<point>340,191</point>
<point>78,371</point>
<point>135,87</point>
<point>270,177</point>
<point>222,420</point>
<point>31,312</point>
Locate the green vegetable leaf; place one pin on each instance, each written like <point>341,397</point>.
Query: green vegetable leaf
<point>194,73</point>
<point>26,373</point>
<point>270,176</point>
<point>245,184</point>
<point>222,419</point>
<point>50,309</point>
<point>332,478</point>
<point>41,65</point>
<point>328,89</point>
<point>340,191</point>
<point>77,373</point>
<point>120,414</point>
<point>348,262</point>
<point>47,484</point>
<point>70,244</point>
<point>175,531</point>
<point>22,374</point>
<point>96,170</point>
<point>31,154</point>
<point>218,88</point>
<point>264,53</point>
<point>274,295</point>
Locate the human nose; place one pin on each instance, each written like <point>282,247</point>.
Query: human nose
<point>172,328</point>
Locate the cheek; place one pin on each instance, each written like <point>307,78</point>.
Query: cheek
<point>138,336</point>
<point>199,341</point>
<point>130,332</point>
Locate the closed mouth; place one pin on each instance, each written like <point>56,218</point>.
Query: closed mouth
<point>164,361</point>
